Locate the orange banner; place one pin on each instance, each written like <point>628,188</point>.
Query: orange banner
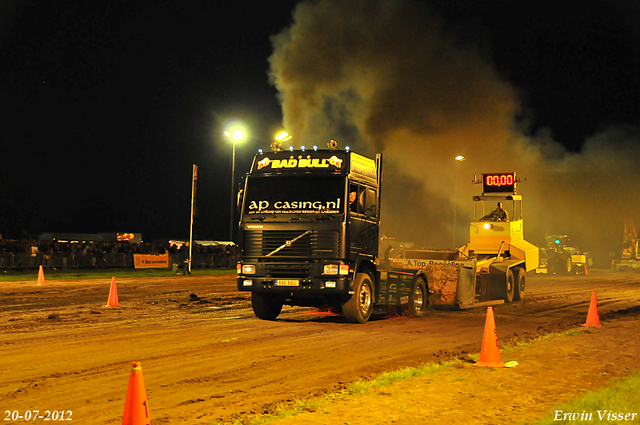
<point>148,261</point>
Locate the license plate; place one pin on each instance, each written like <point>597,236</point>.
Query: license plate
<point>287,282</point>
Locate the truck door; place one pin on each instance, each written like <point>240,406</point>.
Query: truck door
<point>363,219</point>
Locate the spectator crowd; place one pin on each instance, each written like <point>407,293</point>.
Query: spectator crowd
<point>27,253</point>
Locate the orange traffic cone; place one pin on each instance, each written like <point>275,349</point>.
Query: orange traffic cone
<point>40,276</point>
<point>593,318</point>
<point>113,294</point>
<point>136,408</point>
<point>490,353</point>
<point>586,270</point>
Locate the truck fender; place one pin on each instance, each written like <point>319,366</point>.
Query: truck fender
<point>421,274</point>
<point>365,265</point>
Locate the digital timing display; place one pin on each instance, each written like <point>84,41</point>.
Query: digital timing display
<point>499,183</point>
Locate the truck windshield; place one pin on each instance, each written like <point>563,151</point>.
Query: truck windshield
<point>302,196</point>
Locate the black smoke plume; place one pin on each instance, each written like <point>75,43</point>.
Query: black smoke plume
<point>387,76</point>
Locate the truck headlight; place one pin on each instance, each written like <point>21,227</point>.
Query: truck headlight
<point>488,226</point>
<point>330,269</point>
<point>248,269</point>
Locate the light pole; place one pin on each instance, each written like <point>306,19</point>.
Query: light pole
<point>235,136</point>
<point>458,158</point>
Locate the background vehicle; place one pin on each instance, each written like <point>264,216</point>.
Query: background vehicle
<point>560,257</point>
<point>630,257</point>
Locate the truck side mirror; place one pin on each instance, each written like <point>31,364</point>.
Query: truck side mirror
<point>239,200</point>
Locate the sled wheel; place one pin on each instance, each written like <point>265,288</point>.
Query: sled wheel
<point>520,281</point>
<point>509,288</point>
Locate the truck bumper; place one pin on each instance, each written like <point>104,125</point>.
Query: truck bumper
<point>329,285</point>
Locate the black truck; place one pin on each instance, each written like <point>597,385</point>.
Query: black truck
<point>309,231</point>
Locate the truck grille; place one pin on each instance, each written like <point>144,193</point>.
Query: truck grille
<point>317,244</point>
<point>300,271</point>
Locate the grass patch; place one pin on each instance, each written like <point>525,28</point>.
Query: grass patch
<point>53,274</point>
<point>619,398</point>
<point>600,406</point>
<point>359,387</point>
<point>518,344</point>
<point>388,378</point>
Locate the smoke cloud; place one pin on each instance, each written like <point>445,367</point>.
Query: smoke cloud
<point>387,76</point>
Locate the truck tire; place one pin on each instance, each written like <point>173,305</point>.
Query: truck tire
<point>418,299</point>
<point>266,306</point>
<point>568,266</point>
<point>520,281</point>
<point>509,286</point>
<point>359,306</point>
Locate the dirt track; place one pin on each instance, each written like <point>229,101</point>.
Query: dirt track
<point>206,358</point>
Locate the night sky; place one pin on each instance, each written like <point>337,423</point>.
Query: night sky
<point>106,106</point>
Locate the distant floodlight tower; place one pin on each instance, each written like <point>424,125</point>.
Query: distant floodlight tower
<point>236,135</point>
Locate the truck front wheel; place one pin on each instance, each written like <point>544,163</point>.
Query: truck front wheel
<point>358,308</point>
<point>266,306</point>
<point>418,299</point>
